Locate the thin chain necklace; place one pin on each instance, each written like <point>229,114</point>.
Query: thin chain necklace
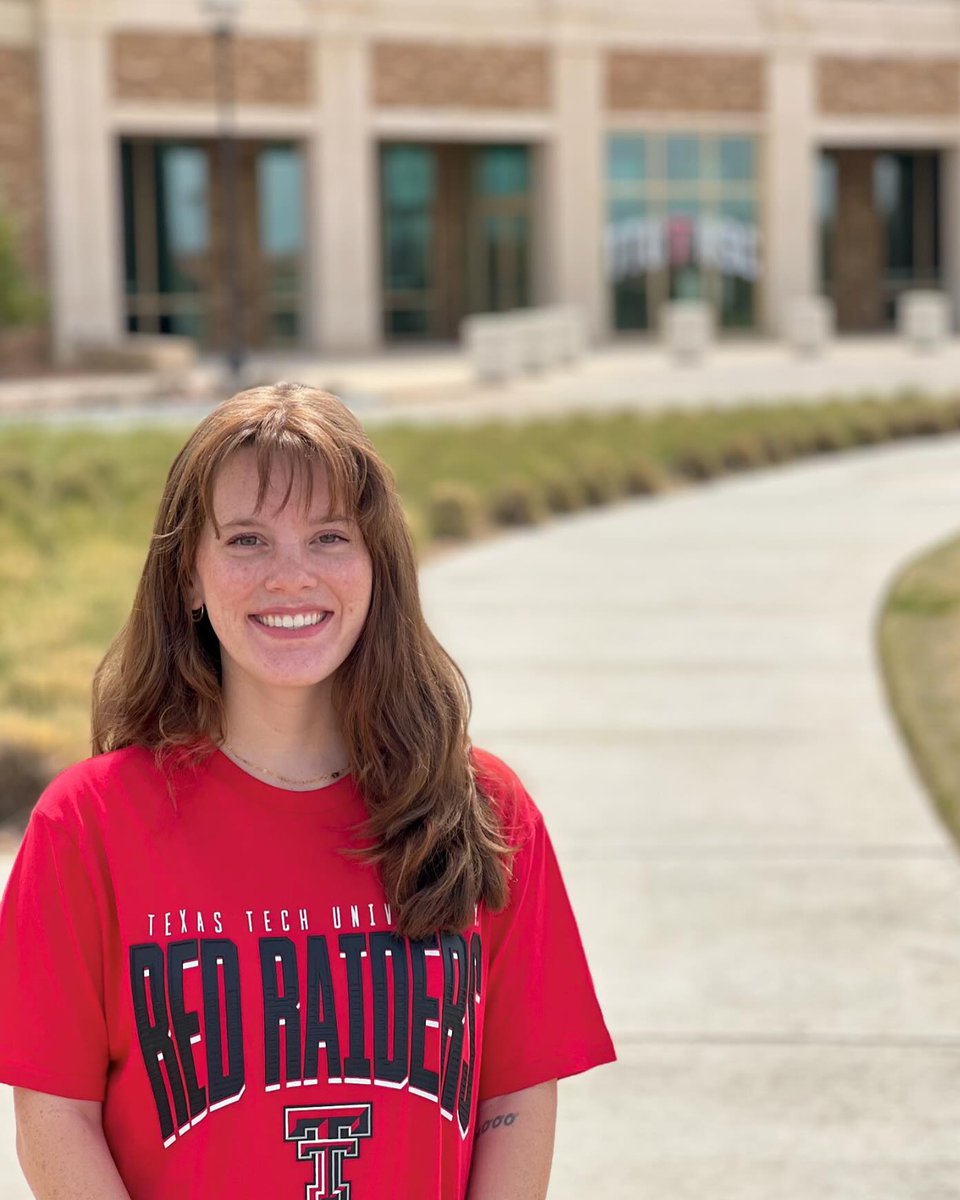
<point>283,778</point>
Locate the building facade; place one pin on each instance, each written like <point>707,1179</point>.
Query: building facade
<point>398,164</point>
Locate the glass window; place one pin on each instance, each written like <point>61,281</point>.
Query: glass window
<point>682,223</point>
<point>185,185</point>
<point>408,176</point>
<point>503,170</point>
<point>409,182</point>
<point>183,216</point>
<point>280,187</point>
<point>683,158</point>
<point>626,158</point>
<point>736,159</point>
<point>129,209</point>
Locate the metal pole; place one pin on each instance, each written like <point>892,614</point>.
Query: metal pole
<point>229,183</point>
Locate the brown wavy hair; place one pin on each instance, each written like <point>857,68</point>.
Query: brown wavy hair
<point>402,703</point>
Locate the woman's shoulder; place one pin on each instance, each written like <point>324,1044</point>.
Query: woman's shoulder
<point>80,790</point>
<point>514,805</point>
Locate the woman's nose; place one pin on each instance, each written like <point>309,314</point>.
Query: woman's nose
<point>291,568</point>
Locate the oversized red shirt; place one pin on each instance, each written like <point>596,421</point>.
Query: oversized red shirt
<point>233,990</point>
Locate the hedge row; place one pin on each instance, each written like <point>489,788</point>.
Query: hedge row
<point>650,453</point>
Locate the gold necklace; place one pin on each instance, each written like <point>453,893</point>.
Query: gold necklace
<point>283,778</point>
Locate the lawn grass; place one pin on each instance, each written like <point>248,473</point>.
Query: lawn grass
<point>918,643</point>
<point>77,507</point>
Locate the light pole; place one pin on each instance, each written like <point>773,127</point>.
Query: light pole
<point>225,13</point>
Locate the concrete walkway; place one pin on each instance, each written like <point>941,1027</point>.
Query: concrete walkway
<point>771,910</point>
<point>437,384</point>
<point>772,913</point>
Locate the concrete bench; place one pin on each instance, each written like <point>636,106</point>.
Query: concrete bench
<point>163,353</point>
<point>810,323</point>
<point>687,328</point>
<point>924,318</point>
<point>504,345</point>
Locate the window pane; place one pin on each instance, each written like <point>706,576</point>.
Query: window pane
<point>408,251</point>
<point>736,156</point>
<point>184,181</point>
<point>183,217</point>
<point>413,321</point>
<point>503,171</point>
<point>683,157</point>
<point>627,158</point>
<point>409,176</point>
<point>280,188</point>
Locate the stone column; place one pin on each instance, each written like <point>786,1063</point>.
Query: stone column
<point>949,201</point>
<point>84,214</point>
<point>344,217</point>
<point>790,262</point>
<point>859,251</point>
<point>575,186</point>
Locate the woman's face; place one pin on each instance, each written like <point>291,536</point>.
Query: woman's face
<point>280,564</point>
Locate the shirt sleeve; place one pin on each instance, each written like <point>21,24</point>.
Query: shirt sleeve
<point>542,1018</point>
<point>53,1033</point>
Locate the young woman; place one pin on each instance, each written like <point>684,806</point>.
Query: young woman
<point>286,933</point>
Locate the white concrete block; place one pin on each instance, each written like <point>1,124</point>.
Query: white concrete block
<point>924,318</point>
<point>810,323</point>
<point>494,346</point>
<point>165,353</point>
<point>688,328</point>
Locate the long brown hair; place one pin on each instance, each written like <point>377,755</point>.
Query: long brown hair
<point>402,703</point>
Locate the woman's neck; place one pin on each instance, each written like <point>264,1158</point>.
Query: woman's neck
<point>284,734</point>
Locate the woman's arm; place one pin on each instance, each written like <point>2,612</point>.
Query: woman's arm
<point>513,1149</point>
<point>61,1148</point>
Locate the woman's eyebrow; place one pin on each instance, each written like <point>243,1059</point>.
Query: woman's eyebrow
<point>318,519</point>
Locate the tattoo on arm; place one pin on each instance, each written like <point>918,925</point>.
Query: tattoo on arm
<point>497,1121</point>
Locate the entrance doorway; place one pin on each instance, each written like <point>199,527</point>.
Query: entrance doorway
<point>176,270</point>
<point>456,235</point>
<point>879,231</point>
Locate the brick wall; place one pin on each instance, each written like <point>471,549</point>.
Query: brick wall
<point>431,75</point>
<point>858,254</point>
<point>181,67</point>
<point>22,187</point>
<point>901,87</point>
<point>667,82</point>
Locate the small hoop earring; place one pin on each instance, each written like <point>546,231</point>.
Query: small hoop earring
<point>196,614</point>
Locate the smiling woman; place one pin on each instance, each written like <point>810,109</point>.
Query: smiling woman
<point>286,893</point>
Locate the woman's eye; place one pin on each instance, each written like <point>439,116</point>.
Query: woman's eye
<point>337,536</point>
<point>241,537</point>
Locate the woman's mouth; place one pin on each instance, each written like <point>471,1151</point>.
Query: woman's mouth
<point>299,626</point>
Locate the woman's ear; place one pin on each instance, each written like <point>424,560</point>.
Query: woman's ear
<point>195,592</point>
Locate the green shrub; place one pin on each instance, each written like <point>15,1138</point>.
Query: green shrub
<point>562,491</point>
<point>601,478</point>
<point>933,418</point>
<point>744,453</point>
<point>454,511</point>
<point>697,463</point>
<point>518,502</point>
<point>869,426</point>
<point>642,477</point>
<point>25,771</point>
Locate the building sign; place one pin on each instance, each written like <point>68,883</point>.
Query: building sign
<point>641,244</point>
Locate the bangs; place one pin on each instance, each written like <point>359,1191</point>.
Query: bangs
<point>297,457</point>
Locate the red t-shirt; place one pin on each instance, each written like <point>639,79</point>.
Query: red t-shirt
<point>234,992</point>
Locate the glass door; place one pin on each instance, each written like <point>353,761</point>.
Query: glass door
<point>499,255</point>
<point>175,248</point>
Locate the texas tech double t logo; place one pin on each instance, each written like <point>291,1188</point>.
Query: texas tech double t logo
<point>327,1133</point>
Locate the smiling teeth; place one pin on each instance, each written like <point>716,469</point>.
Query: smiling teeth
<point>296,622</point>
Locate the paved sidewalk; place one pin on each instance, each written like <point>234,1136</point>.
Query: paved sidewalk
<point>688,688</point>
<point>771,910</point>
<point>437,384</point>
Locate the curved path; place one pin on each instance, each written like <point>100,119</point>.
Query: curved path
<point>772,913</point>
<point>771,909</point>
